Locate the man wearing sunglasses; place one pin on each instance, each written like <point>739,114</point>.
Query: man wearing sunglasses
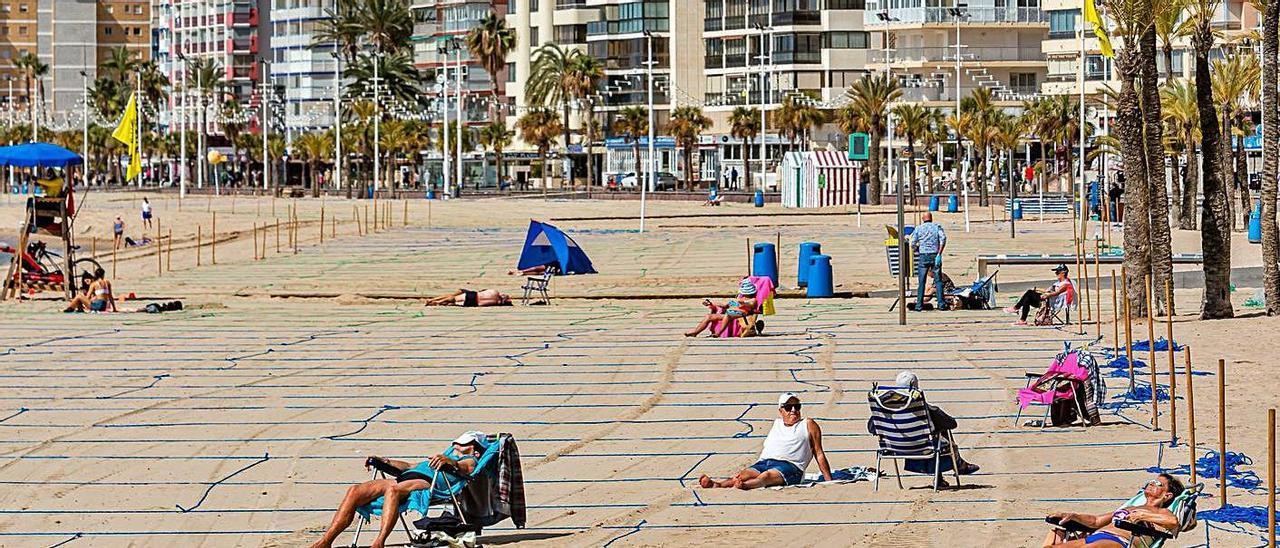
<point>791,445</point>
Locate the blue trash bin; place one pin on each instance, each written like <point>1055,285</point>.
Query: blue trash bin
<point>820,284</point>
<point>933,202</point>
<point>953,204</point>
<point>759,199</point>
<point>1255,227</point>
<point>1015,212</point>
<point>764,261</point>
<point>862,193</point>
<point>368,192</point>
<point>807,251</point>
<point>431,194</point>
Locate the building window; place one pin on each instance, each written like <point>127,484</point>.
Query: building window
<point>107,31</point>
<point>712,15</point>
<point>846,4</point>
<point>6,8</point>
<point>571,34</point>
<point>1062,23</point>
<point>22,31</point>
<point>511,73</point>
<point>533,6</point>
<point>533,37</point>
<point>511,7</point>
<point>137,31</point>
<point>1096,67</point>
<point>797,48</point>
<point>846,40</point>
<point>22,8</point>
<point>1022,82</point>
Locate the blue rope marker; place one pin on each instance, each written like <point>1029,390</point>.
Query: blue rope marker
<point>73,537</point>
<point>1139,395</point>
<point>157,378</point>
<point>265,458</point>
<point>516,357</point>
<point>365,422</point>
<point>1162,345</point>
<point>21,410</point>
<point>236,360</point>
<point>627,534</point>
<point>685,476</point>
<point>1236,517</point>
<point>1207,467</point>
<point>750,428</point>
<point>474,376</point>
<point>824,387</point>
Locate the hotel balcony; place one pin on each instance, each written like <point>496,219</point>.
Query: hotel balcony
<point>941,16</point>
<point>944,54</point>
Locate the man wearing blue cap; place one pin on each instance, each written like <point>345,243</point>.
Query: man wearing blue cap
<point>744,305</point>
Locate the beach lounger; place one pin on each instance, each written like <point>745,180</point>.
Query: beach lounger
<point>1073,385</point>
<point>979,296</point>
<point>751,325</point>
<point>1144,535</point>
<point>455,503</point>
<point>900,417</point>
<point>538,284</point>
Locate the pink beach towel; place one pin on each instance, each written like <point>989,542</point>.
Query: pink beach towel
<point>764,290</point>
<point>1069,367</point>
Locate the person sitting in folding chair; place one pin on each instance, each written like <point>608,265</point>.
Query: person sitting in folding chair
<point>792,443</point>
<point>468,298</point>
<point>1059,296</point>
<point>457,461</point>
<point>951,302</point>
<point>1158,495</point>
<point>943,422</point>
<point>741,307</point>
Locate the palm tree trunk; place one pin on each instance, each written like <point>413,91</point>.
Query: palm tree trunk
<point>688,168</point>
<point>984,198</point>
<point>1137,222</point>
<point>1190,184</point>
<point>1158,197</point>
<point>1228,173</point>
<point>1215,240</point>
<point>545,178</point>
<point>746,162</point>
<point>567,132</point>
<point>873,167</point>
<point>497,159</point>
<point>1271,147</point>
<point>1242,183</point>
<point>639,176</point>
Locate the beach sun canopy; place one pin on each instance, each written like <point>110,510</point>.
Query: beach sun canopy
<point>38,155</point>
<point>546,245</point>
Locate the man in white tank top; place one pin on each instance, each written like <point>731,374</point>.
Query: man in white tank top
<point>791,445</point>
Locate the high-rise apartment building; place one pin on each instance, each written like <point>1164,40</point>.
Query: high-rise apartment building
<point>301,66</point>
<point>999,47</point>
<point>226,32</point>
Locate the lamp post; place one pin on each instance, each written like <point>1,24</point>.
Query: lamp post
<point>959,12</point>
<point>1084,212</point>
<point>84,127</point>
<point>443,81</point>
<point>182,128</point>
<point>648,36</point>
<point>462,116</point>
<point>765,55</point>
<point>377,117</point>
<point>266,124</point>
<point>337,119</point>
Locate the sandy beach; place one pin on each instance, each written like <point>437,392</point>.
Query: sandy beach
<point>240,420</point>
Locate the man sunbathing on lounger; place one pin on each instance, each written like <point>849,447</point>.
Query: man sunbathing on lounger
<point>468,298</point>
<point>791,444</point>
<point>458,460</point>
<point>1159,494</point>
<point>743,306</point>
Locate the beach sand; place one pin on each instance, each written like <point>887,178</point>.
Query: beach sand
<point>241,420</point>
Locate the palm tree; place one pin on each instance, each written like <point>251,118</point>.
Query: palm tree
<point>1169,25</point>
<point>120,64</point>
<point>981,105</point>
<point>632,122</point>
<point>386,24</point>
<point>496,137</point>
<point>489,42</point>
<point>1271,147</point>
<point>794,119</point>
<point>961,124</point>
<point>540,127</point>
<point>1215,229</point>
<point>1235,84</point>
<point>155,85</point>
<point>360,116</point>
<point>582,80</point>
<point>1178,105</point>
<point>870,98</point>
<point>398,77</point>
<point>934,135</point>
<point>551,82</point>
<point>913,122</point>
<point>341,28</point>
<point>687,124</point>
<point>744,123</point>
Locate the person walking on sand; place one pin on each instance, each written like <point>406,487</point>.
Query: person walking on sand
<point>929,241</point>
<point>146,214</point>
<point>791,445</point>
<point>118,229</point>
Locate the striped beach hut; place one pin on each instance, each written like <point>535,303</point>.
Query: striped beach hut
<point>818,179</point>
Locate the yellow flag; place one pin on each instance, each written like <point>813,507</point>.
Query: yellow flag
<point>126,133</point>
<point>1099,28</point>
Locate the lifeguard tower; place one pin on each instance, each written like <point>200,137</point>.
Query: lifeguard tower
<point>33,267</point>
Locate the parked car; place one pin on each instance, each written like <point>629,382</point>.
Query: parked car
<point>666,181</point>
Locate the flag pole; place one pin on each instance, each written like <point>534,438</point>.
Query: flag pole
<point>137,120</point>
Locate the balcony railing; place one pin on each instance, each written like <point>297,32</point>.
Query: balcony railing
<point>943,53</point>
<point>570,4</point>
<point>943,15</point>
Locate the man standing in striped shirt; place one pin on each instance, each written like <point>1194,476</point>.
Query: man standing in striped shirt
<point>929,241</point>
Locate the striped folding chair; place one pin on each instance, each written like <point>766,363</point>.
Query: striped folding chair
<point>900,419</point>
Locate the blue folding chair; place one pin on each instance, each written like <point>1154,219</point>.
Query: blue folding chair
<point>900,419</point>
<point>443,493</point>
<point>979,296</point>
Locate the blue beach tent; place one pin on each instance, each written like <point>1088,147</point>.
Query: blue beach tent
<point>549,246</point>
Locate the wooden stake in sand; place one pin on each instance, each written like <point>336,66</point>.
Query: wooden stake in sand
<point>168,260</point>
<point>1222,432</point>
<point>113,262</point>
<point>1271,477</point>
<point>159,252</point>
<point>1128,327</point>
<point>749,257</point>
<point>1097,288</point>
<point>277,235</point>
<point>406,213</point>
<point>1173,376</point>
<point>1151,361</point>
<point>1115,310</point>
<point>198,243</point>
<point>213,241</point>
<point>1191,413</point>
<point>93,250</point>
<point>321,224</point>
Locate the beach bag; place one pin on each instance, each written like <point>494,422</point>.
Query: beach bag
<point>1044,316</point>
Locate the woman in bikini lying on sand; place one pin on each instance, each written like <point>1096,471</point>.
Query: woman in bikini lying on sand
<point>468,298</point>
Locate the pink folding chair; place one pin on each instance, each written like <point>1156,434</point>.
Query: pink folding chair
<point>1060,382</point>
<point>750,325</point>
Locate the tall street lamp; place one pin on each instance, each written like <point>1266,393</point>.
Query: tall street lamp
<point>959,13</point>
<point>337,119</point>
<point>765,56</point>
<point>648,36</point>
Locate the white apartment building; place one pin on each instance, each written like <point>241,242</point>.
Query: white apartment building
<point>299,67</point>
